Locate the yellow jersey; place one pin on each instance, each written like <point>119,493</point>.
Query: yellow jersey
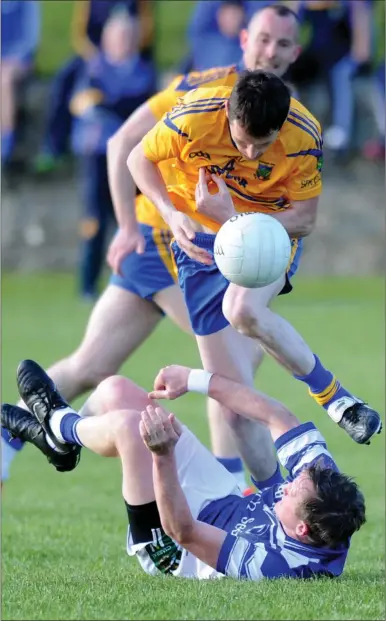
<point>163,102</point>
<point>195,133</point>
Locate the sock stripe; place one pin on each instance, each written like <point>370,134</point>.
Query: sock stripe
<point>75,434</point>
<point>326,395</point>
<point>326,391</point>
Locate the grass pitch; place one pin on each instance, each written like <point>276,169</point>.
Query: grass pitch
<point>63,535</point>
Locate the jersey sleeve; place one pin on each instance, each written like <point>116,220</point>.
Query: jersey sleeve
<point>166,140</point>
<point>302,447</point>
<point>305,180</point>
<point>241,559</point>
<point>164,101</point>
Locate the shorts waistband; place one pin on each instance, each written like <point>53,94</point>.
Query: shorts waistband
<point>204,240</point>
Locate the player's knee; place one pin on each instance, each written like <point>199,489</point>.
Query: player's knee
<point>240,315</point>
<point>116,392</point>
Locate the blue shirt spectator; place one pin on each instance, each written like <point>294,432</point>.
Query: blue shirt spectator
<point>214,31</point>
<point>20,29</point>
<point>113,91</point>
<point>204,18</point>
<point>20,34</point>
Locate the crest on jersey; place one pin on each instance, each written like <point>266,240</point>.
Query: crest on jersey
<point>319,163</point>
<point>263,171</point>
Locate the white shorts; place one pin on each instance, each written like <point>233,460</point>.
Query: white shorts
<point>203,480</point>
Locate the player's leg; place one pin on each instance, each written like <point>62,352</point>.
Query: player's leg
<point>231,354</point>
<point>170,299</point>
<point>119,323</point>
<point>11,73</point>
<point>222,439</point>
<point>224,351</point>
<point>97,209</point>
<point>248,311</point>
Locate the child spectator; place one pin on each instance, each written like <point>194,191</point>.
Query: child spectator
<point>111,85</point>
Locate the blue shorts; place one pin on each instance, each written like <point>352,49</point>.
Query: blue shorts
<point>146,274</point>
<point>204,286</point>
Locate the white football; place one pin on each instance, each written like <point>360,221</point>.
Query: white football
<point>252,250</point>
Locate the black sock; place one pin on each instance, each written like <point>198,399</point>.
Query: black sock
<point>144,519</point>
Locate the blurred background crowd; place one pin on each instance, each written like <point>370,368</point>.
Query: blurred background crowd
<point>72,72</point>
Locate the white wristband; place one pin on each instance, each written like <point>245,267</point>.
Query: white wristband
<point>198,381</point>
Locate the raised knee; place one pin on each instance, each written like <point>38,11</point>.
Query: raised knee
<point>241,316</point>
<point>115,392</point>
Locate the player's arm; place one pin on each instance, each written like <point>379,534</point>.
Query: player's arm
<point>119,146</point>
<point>160,432</point>
<point>121,183</point>
<point>175,380</point>
<point>303,185</point>
<point>202,540</point>
<point>300,218</point>
<point>164,142</point>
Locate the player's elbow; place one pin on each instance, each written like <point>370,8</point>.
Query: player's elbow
<point>136,160</point>
<point>306,218</point>
<point>306,228</point>
<point>181,531</point>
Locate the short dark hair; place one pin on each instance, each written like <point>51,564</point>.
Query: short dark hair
<point>282,10</point>
<point>260,102</point>
<point>336,511</point>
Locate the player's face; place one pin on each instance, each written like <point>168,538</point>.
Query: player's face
<point>288,508</point>
<point>270,43</point>
<point>249,147</point>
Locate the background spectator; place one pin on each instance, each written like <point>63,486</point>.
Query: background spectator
<point>213,32</point>
<point>89,18</point>
<point>20,34</point>
<point>374,149</point>
<point>110,86</point>
<point>337,46</point>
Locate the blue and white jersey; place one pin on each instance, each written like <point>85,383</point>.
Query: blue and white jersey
<point>256,545</point>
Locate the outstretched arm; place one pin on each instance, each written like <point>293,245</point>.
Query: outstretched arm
<point>175,380</point>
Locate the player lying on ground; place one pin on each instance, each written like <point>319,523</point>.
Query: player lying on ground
<point>142,287</point>
<point>187,515</point>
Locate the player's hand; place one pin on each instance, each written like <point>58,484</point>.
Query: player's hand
<point>217,206</point>
<point>125,242</point>
<point>159,430</point>
<point>171,382</point>
<point>184,232</point>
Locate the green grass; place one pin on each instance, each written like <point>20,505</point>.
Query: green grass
<point>63,536</point>
<point>55,47</point>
